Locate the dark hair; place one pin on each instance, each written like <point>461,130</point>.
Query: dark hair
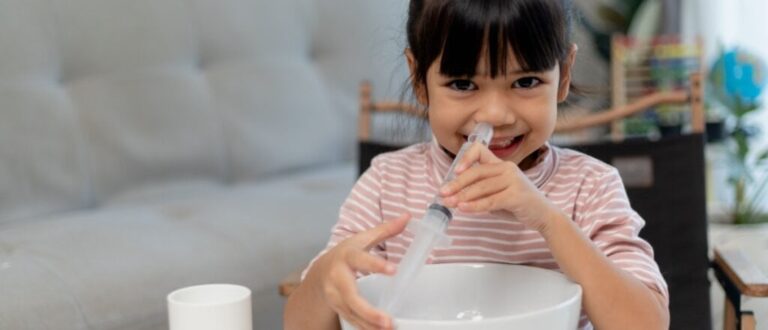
<point>536,31</point>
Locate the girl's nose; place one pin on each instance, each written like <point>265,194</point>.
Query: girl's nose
<point>495,112</point>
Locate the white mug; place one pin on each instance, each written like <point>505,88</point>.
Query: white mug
<point>209,307</point>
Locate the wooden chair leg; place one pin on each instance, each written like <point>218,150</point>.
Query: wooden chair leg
<point>729,317</point>
<point>748,321</point>
<point>290,283</point>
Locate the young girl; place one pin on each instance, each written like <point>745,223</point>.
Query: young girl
<point>507,63</point>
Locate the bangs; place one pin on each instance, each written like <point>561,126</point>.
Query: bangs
<point>466,31</point>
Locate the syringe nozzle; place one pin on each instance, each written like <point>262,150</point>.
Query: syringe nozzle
<point>482,133</point>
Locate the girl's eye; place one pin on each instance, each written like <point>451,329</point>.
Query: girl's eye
<point>527,82</point>
<point>462,85</point>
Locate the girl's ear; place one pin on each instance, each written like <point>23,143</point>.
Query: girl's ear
<point>419,90</point>
<point>565,74</point>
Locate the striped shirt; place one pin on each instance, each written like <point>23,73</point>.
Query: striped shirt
<point>589,191</point>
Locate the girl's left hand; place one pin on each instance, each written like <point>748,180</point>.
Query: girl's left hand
<point>495,185</point>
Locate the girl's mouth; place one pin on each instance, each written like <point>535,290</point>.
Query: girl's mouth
<point>505,146</point>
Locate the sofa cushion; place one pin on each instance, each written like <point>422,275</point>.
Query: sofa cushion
<point>148,126</point>
<point>120,94</point>
<point>42,169</point>
<point>112,269</point>
<point>41,164</point>
<point>131,69</point>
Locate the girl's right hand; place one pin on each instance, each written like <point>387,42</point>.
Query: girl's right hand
<point>333,274</point>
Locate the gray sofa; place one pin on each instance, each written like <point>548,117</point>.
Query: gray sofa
<point>148,145</point>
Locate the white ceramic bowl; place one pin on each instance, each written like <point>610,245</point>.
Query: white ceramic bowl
<point>482,296</point>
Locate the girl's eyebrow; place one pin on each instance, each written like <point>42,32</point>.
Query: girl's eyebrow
<point>483,73</point>
<point>513,72</point>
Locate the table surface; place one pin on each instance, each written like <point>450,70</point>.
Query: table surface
<point>742,251</point>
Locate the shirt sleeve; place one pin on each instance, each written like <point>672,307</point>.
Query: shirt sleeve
<point>359,212</point>
<point>614,227</point>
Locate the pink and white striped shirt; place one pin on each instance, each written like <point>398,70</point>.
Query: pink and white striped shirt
<point>589,191</point>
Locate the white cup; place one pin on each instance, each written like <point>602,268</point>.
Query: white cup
<point>209,307</point>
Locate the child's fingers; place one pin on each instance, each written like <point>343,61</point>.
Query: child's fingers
<point>477,153</point>
<point>357,309</point>
<point>366,262</point>
<point>469,177</point>
<point>371,315</point>
<point>470,156</point>
<point>485,204</point>
<point>479,189</point>
<point>338,299</point>
<point>487,156</point>
<point>360,322</point>
<point>376,235</point>
<point>355,320</point>
<point>341,306</point>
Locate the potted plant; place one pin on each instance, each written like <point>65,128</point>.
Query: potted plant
<point>737,79</point>
<point>715,123</point>
<point>669,120</point>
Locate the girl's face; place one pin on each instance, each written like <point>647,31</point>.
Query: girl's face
<point>521,107</point>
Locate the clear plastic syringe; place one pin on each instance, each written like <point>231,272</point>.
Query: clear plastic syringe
<point>428,231</point>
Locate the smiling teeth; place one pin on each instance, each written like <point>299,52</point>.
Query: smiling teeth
<point>504,144</point>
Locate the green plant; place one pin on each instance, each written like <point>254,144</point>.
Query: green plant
<point>738,79</point>
<point>745,172</point>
